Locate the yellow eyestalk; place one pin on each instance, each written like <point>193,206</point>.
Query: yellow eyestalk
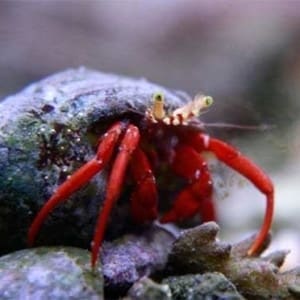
<point>199,103</point>
<point>158,110</point>
<point>181,115</point>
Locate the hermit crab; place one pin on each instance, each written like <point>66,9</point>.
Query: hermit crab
<point>138,142</point>
<point>58,133</point>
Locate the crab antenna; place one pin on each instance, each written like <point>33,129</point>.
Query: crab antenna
<point>223,125</point>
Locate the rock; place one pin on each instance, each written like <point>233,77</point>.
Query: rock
<point>291,278</point>
<point>146,289</point>
<point>132,257</point>
<point>64,271</point>
<point>207,286</point>
<point>49,273</point>
<point>198,250</point>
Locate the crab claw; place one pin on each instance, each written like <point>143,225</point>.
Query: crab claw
<point>114,186</point>
<point>243,165</point>
<point>246,167</point>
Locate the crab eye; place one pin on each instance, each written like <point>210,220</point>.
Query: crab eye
<point>158,97</point>
<point>208,101</point>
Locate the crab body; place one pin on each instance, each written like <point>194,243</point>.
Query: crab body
<point>122,131</point>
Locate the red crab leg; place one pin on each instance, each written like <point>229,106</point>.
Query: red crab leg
<point>197,196</point>
<point>114,186</point>
<point>144,197</point>
<point>78,179</point>
<point>234,159</point>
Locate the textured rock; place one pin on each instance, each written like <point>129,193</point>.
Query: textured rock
<point>49,273</point>
<point>66,272</point>
<point>206,286</point>
<point>198,250</point>
<point>146,289</point>
<point>131,257</point>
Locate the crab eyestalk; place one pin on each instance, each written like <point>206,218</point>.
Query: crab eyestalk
<point>200,103</point>
<point>158,109</point>
<point>182,115</point>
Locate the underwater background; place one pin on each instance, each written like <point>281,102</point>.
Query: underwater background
<point>246,55</point>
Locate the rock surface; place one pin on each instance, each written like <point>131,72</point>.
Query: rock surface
<point>65,273</point>
<point>201,287</point>
<point>55,273</point>
<point>132,257</point>
<point>146,289</point>
<point>198,250</point>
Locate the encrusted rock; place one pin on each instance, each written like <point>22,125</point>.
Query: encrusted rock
<point>55,273</point>
<point>131,257</point>
<point>207,286</point>
<point>146,289</point>
<point>65,272</point>
<point>197,250</point>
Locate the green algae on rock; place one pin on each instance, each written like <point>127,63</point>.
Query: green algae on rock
<point>49,273</point>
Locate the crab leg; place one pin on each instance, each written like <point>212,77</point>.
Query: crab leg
<point>144,197</point>
<point>78,179</point>
<point>234,159</point>
<point>114,185</point>
<point>197,196</point>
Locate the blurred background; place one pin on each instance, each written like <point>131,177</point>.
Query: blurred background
<point>244,54</point>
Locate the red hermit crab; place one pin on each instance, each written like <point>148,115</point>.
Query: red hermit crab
<point>136,146</point>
